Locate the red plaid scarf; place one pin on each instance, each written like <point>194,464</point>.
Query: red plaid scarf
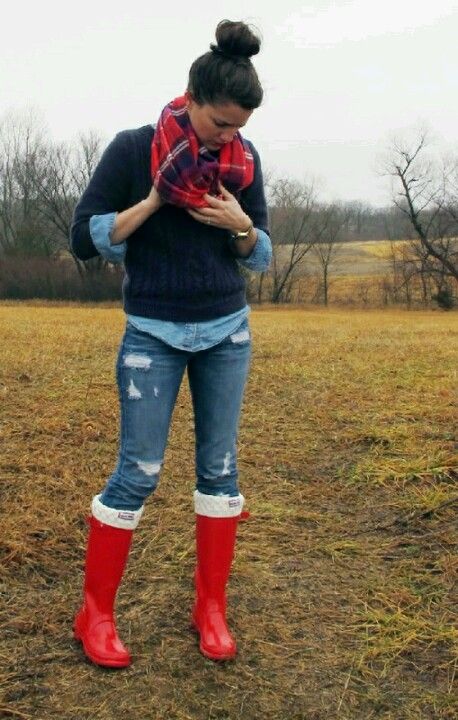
<point>183,170</point>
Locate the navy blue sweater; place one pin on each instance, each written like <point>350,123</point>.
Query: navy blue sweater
<point>175,267</point>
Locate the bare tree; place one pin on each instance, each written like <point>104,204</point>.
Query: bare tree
<point>293,232</point>
<point>22,139</point>
<point>60,175</point>
<point>330,224</point>
<point>40,183</point>
<point>86,156</point>
<point>404,266</point>
<point>429,200</point>
<point>359,215</point>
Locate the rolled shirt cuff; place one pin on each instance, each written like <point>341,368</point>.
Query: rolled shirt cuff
<point>261,255</point>
<point>100,227</point>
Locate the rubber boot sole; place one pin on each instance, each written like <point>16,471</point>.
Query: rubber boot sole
<point>208,653</point>
<point>97,660</point>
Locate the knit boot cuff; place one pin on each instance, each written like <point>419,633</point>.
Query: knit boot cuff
<point>125,519</point>
<point>218,505</point>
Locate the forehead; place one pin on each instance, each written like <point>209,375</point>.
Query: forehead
<point>229,113</point>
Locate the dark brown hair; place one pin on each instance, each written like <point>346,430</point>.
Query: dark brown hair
<point>226,73</point>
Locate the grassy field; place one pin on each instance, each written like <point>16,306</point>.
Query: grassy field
<point>361,275</point>
<point>343,594</point>
<point>355,258</point>
<point>369,257</point>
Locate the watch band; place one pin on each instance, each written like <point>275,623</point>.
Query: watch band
<point>243,234</point>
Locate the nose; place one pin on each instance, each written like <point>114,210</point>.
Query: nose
<point>228,136</point>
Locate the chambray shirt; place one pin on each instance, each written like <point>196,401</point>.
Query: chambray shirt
<point>183,336</point>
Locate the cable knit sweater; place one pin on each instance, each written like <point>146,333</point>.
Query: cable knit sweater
<point>175,268</point>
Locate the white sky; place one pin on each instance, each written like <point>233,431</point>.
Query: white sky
<point>339,77</point>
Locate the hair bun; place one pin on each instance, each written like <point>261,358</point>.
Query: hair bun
<point>236,39</point>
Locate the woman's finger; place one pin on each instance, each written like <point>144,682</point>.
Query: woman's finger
<point>213,201</point>
<point>208,212</point>
<point>225,193</point>
<point>203,217</point>
<point>195,214</point>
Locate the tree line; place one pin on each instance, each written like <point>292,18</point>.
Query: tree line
<point>42,180</point>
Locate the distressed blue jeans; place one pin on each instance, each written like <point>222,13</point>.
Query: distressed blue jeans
<point>149,374</point>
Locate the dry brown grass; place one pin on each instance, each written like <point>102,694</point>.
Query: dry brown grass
<point>342,595</point>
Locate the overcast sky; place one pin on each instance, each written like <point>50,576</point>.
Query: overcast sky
<point>339,77</point>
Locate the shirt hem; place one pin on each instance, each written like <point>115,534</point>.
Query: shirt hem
<point>168,311</point>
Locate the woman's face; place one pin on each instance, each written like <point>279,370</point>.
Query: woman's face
<point>216,125</point>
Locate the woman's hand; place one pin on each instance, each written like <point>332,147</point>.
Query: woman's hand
<point>129,220</point>
<point>224,213</point>
<point>154,200</point>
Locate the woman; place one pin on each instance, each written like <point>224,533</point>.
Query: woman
<point>181,242</point>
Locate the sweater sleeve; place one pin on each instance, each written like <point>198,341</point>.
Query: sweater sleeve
<point>108,191</point>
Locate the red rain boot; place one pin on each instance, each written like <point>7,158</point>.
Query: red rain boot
<point>215,542</point>
<point>106,557</point>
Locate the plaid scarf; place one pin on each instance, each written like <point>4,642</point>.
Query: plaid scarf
<point>183,170</point>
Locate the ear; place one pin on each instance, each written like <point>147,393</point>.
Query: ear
<point>189,99</point>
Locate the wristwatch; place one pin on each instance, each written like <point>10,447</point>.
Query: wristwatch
<point>243,234</point>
